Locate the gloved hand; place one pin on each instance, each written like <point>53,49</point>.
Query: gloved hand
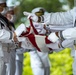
<point>31,16</point>
<point>26,13</point>
<point>69,33</point>
<point>20,29</point>
<point>52,37</point>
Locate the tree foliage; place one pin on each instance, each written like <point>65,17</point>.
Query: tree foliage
<point>71,3</point>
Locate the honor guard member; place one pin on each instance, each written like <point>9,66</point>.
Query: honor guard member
<point>12,49</point>
<point>16,61</point>
<point>57,22</point>
<point>5,35</point>
<point>39,60</point>
<point>13,66</point>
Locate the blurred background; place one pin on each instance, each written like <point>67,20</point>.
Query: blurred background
<point>61,62</point>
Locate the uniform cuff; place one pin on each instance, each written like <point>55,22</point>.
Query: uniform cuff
<point>53,37</point>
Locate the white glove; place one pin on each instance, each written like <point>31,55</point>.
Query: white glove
<point>26,13</point>
<point>31,16</point>
<point>20,29</point>
<point>69,33</point>
<point>52,37</point>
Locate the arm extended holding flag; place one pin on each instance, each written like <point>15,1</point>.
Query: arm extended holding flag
<point>53,37</point>
<point>35,39</point>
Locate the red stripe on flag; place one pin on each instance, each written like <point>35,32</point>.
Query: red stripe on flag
<point>31,23</point>
<point>47,41</point>
<point>31,37</point>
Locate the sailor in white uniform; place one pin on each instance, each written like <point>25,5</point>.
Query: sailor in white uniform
<point>11,46</point>
<point>6,36</point>
<point>40,63</point>
<point>57,22</point>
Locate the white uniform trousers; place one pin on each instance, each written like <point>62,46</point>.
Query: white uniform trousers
<point>5,60</point>
<point>38,63</point>
<point>41,71</point>
<point>4,72</point>
<point>73,54</point>
<point>19,64</point>
<point>74,66</point>
<point>1,65</point>
<point>11,65</point>
<point>46,63</point>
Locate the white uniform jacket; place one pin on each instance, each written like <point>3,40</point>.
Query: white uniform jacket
<point>60,20</point>
<point>5,34</point>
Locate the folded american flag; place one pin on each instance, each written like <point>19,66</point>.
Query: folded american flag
<point>39,41</point>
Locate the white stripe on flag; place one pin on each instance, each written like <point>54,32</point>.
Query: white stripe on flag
<point>40,41</point>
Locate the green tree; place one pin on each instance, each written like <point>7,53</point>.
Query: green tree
<point>71,3</point>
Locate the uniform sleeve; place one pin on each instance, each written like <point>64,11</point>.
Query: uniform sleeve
<point>5,35</point>
<point>60,18</point>
<point>69,33</point>
<point>66,34</point>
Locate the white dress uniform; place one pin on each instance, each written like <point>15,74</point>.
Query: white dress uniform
<point>19,61</point>
<point>40,63</point>
<point>60,21</point>
<point>9,57</point>
<point>19,56</point>
<point>11,65</point>
<point>11,62</point>
<point>5,37</point>
<point>15,64</point>
<point>41,66</point>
